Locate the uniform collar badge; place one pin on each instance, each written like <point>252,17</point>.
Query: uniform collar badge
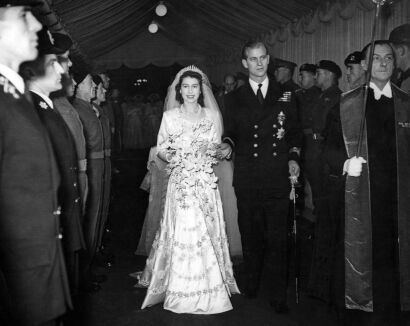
<point>43,105</point>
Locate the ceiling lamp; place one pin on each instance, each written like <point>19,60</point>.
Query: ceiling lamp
<point>161,9</point>
<point>153,27</point>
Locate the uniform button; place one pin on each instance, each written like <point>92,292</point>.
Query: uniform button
<point>256,126</point>
<point>60,236</point>
<point>255,136</point>
<point>57,211</point>
<point>275,154</point>
<point>255,145</point>
<point>255,154</point>
<point>77,200</point>
<point>275,125</point>
<point>75,184</point>
<point>274,144</point>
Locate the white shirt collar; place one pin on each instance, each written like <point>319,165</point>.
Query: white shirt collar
<point>13,77</point>
<point>45,98</point>
<point>386,91</point>
<point>264,87</point>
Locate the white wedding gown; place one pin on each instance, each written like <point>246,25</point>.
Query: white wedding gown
<point>189,267</point>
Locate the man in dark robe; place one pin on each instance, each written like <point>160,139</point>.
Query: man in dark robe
<point>374,287</point>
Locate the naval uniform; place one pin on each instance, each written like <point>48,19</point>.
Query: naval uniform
<point>264,137</point>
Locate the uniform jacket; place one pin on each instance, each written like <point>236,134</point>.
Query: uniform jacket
<point>92,129</point>
<point>307,99</point>
<point>72,119</point>
<point>31,255</point>
<point>328,99</point>
<point>66,156</point>
<point>263,137</point>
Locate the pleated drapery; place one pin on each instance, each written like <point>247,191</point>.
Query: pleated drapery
<point>210,33</point>
<point>333,33</point>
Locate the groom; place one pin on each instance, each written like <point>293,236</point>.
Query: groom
<point>261,129</point>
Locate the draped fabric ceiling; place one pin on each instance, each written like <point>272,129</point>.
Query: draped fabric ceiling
<point>210,33</point>
<point>192,29</point>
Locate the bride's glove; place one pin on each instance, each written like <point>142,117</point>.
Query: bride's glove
<point>353,166</point>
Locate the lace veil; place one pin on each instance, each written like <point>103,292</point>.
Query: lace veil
<point>209,99</point>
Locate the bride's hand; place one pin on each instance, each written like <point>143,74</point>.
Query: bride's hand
<point>224,151</point>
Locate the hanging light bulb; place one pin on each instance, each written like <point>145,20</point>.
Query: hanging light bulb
<point>153,27</point>
<point>161,9</point>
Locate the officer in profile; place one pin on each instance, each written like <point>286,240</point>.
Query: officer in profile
<point>283,72</point>
<point>400,41</point>
<point>355,73</point>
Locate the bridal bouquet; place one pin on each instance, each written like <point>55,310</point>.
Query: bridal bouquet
<point>190,167</point>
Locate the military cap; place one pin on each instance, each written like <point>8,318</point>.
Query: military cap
<point>330,66</point>
<point>309,67</point>
<point>284,63</point>
<point>18,3</point>
<point>96,79</point>
<point>46,43</point>
<point>62,41</point>
<point>354,58</point>
<point>79,76</point>
<point>400,35</point>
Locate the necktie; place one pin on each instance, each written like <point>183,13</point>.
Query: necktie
<point>259,94</point>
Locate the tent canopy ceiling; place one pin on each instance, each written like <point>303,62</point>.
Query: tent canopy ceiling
<point>202,27</point>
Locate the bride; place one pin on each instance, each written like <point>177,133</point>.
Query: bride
<point>189,268</point>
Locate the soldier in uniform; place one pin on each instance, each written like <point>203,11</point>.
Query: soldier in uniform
<point>328,74</point>
<point>261,128</point>
<point>43,76</point>
<point>94,138</point>
<point>283,73</point>
<point>400,41</point>
<point>99,97</point>
<point>307,97</point>
<point>31,252</point>
<point>69,114</point>
<point>355,74</point>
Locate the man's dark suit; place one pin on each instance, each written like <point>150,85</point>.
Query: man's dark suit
<point>263,138</point>
<point>31,255</point>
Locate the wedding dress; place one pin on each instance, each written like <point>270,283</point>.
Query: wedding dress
<point>155,183</point>
<point>189,267</point>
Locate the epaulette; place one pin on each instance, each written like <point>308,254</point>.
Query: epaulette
<point>8,88</point>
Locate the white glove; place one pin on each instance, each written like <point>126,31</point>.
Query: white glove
<point>353,166</point>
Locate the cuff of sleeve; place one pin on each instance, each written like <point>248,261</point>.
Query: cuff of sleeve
<point>345,167</point>
<point>229,141</point>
